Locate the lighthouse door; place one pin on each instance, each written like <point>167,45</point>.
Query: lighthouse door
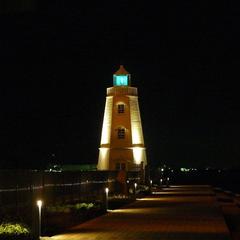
<point>120,166</point>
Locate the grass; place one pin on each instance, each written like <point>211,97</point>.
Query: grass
<point>60,217</point>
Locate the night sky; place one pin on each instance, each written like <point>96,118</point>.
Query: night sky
<point>57,60</point>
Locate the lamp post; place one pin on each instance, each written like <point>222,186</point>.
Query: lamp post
<point>39,204</point>
<point>168,182</point>
<point>106,191</point>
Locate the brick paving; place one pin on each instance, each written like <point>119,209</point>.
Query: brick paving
<point>176,216</point>
<point>230,208</point>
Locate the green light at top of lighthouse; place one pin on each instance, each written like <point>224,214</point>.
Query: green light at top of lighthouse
<point>121,77</point>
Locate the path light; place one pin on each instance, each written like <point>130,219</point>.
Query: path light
<point>150,188</point>
<point>39,204</point>
<point>135,188</point>
<point>106,191</point>
<point>161,181</point>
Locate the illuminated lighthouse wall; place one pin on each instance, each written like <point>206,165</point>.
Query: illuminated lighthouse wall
<point>122,144</point>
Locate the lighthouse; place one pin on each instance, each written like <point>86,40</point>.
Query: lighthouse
<point>122,143</point>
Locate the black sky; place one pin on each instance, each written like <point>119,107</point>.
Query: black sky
<point>58,58</point>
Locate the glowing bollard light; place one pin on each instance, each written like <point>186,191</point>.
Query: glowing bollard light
<point>168,182</point>
<point>150,188</point>
<point>106,191</point>
<point>39,204</point>
<point>127,187</point>
<point>161,181</point>
<point>135,189</point>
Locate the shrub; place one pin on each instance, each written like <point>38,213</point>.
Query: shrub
<point>79,207</point>
<point>10,231</point>
<point>83,206</point>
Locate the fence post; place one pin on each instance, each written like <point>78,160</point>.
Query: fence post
<point>16,199</point>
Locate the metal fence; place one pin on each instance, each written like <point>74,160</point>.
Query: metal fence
<point>21,188</point>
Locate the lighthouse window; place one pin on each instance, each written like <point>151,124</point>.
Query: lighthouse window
<point>120,108</point>
<point>120,80</point>
<point>121,133</point>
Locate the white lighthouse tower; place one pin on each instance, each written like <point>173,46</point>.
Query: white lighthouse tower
<point>122,144</point>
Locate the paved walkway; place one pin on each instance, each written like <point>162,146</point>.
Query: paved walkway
<point>186,213</point>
